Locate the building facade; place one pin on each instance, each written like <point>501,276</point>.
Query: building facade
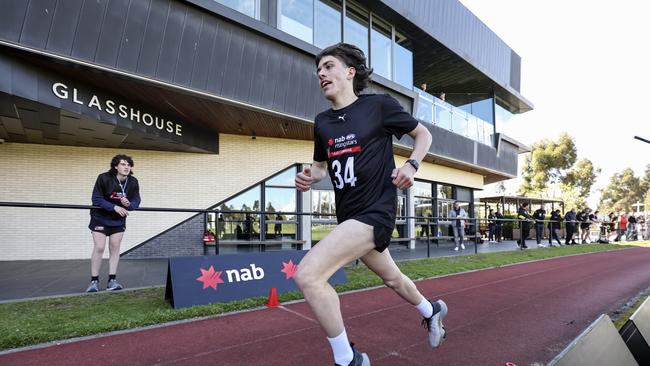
<point>215,101</point>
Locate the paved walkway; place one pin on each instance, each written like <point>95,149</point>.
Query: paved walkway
<point>31,279</point>
<point>523,314</point>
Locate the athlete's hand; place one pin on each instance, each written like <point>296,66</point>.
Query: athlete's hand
<point>403,177</point>
<point>121,211</point>
<point>304,180</point>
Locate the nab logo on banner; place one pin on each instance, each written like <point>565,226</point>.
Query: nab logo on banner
<point>209,279</point>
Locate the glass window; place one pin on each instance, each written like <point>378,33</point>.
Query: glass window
<point>356,27</point>
<point>322,202</point>
<point>421,189</point>
<point>472,128</point>
<point>445,191</point>
<point>327,23</point>
<point>380,48</point>
<point>284,179</point>
<point>502,114</point>
<point>443,117</point>
<point>296,17</point>
<point>425,106</point>
<point>248,7</point>
<point>482,107</point>
<point>459,122</point>
<point>401,208</point>
<point>282,200</point>
<point>242,226</point>
<point>403,61</point>
<point>489,134</point>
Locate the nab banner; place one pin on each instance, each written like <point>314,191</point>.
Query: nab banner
<point>219,278</point>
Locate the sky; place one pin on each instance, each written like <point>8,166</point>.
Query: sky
<point>586,69</point>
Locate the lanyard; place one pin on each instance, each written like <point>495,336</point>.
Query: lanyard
<point>123,187</point>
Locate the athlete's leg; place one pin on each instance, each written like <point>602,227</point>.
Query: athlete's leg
<point>384,266</point>
<point>114,251</point>
<point>350,240</point>
<point>99,244</point>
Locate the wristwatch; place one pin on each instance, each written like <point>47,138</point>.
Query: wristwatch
<point>414,163</point>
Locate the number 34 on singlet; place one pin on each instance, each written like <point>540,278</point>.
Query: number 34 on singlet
<point>348,173</point>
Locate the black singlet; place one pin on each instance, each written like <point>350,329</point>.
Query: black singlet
<point>356,141</point>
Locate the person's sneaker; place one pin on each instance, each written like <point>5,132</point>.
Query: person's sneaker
<point>462,246</point>
<point>456,248</point>
<point>358,358</point>
<point>113,285</point>
<point>93,287</point>
<point>433,324</point>
<point>540,245</point>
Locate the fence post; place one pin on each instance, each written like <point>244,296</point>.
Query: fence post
<point>216,236</point>
<point>476,232</point>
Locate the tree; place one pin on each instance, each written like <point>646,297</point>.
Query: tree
<point>547,163</point>
<point>582,176</point>
<point>624,190</point>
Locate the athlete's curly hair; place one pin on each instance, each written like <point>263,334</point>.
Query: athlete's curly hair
<point>116,161</point>
<point>351,56</point>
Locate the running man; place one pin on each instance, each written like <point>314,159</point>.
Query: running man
<point>353,142</point>
<point>117,192</point>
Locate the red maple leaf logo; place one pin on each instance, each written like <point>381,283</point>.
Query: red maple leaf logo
<point>210,278</point>
<point>289,269</point>
<point>330,142</point>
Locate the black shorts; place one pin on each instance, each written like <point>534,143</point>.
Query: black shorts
<point>382,236</point>
<point>106,230</point>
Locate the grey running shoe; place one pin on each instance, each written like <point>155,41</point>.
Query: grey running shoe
<point>434,325</point>
<point>93,287</point>
<point>113,285</point>
<point>359,359</point>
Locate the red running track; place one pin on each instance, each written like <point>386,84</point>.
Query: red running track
<point>523,314</point>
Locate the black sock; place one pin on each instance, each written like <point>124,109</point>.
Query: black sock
<point>94,278</point>
<point>111,277</point>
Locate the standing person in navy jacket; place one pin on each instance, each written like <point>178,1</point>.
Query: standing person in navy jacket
<point>117,192</point>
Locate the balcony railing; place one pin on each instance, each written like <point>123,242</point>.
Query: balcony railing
<point>442,114</point>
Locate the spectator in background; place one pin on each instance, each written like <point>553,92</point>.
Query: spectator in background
<point>570,225</point>
<point>632,233</point>
<point>278,225</point>
<point>539,216</point>
<point>640,227</point>
<point>621,224</point>
<point>499,225</point>
<point>585,225</point>
<point>117,192</point>
<point>457,216</point>
<point>524,216</point>
<point>423,87</point>
<point>492,226</point>
<point>554,228</point>
<point>443,96</point>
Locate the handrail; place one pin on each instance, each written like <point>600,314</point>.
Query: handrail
<point>426,221</point>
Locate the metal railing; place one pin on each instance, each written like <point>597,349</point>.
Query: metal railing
<point>472,226</point>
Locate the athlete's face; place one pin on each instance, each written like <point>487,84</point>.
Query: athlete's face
<point>334,77</point>
<point>123,168</point>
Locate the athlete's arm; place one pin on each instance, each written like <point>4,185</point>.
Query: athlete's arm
<point>403,177</point>
<point>309,176</point>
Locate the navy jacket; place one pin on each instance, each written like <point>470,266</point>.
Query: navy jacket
<point>107,193</point>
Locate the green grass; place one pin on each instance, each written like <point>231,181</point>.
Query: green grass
<point>620,321</point>
<point>36,321</point>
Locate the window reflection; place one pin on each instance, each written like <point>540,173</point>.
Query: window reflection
<point>380,48</point>
<point>248,7</point>
<point>284,179</point>
<point>403,61</point>
<point>296,17</point>
<point>327,23</point>
<point>356,27</point>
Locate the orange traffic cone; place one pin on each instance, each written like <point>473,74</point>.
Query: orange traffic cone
<point>273,299</point>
